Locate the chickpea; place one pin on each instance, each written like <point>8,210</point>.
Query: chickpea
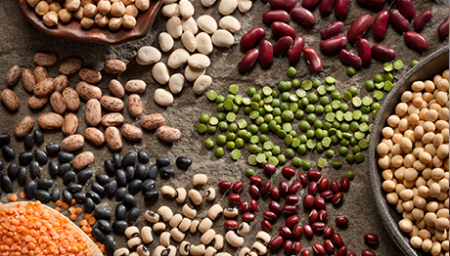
<point>400,175</point>
<point>399,206</point>
<point>86,2</point>
<point>89,10</point>
<point>412,109</point>
<point>387,174</point>
<point>441,84</point>
<point>392,198</point>
<point>87,23</point>
<point>33,3</point>
<point>65,16</point>
<point>437,162</point>
<point>403,125</point>
<point>142,5</point>
<point>393,121</point>
<point>55,6</point>
<point>429,86</point>
<point>132,10</point>
<point>418,86</point>
<point>430,149</point>
<point>397,138</point>
<point>441,235</point>
<point>428,97</point>
<point>411,174</point>
<point>104,7</point>
<point>401,109</point>
<point>442,98</point>
<point>443,114</point>
<point>78,14</point>
<point>397,161</point>
<point>117,9</point>
<point>426,245</point>
<point>408,215</point>
<point>406,96</point>
<point>419,165</point>
<point>384,162</point>
<point>42,8</point>
<point>49,1</point>
<point>445,134</point>
<point>442,151</point>
<point>127,2</point>
<point>382,149</point>
<point>388,186</point>
<point>406,144</point>
<point>429,126</point>
<point>424,234</point>
<point>50,19</point>
<point>115,23</point>
<point>128,21</point>
<point>405,225</point>
<point>387,142</point>
<point>101,20</point>
<point>72,5</point>
<point>408,183</point>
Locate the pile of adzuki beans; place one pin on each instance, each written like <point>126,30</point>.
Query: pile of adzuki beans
<point>289,43</point>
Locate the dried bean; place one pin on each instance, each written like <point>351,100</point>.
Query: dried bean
<point>333,44</point>
<point>407,9</point>
<point>332,30</point>
<point>275,15</point>
<point>373,3</point>
<point>422,19</point>
<point>282,29</point>
<point>314,60</point>
<point>251,38</point>
<point>302,16</point>
<point>383,52</point>
<point>325,7</point>
<point>286,5</point>
<point>309,3</point>
<point>282,46</point>
<point>341,8</point>
<point>296,50</point>
<point>379,25</point>
<point>398,20</point>
<point>249,60</point>
<point>358,28</point>
<point>350,58</point>
<point>443,29</point>
<point>364,51</point>
<point>266,53</point>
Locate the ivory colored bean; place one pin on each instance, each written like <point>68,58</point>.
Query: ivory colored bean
<point>165,212</point>
<point>199,179</point>
<point>222,38</point>
<point>202,83</point>
<point>181,195</point>
<point>243,229</point>
<point>148,54</point>
<point>199,61</point>
<point>177,235</point>
<point>210,194</point>
<point>195,196</point>
<point>197,250</point>
<point>194,226</point>
<point>177,58</point>
<point>207,24</point>
<point>170,192</point>
<point>227,7</point>
<point>121,251</point>
<point>204,43</point>
<point>205,225</point>
<point>190,25</point>
<point>160,73</point>
<point>170,10</point>
<point>188,41</point>
<point>176,83</point>
<point>215,211</point>
<point>191,74</point>
<point>173,27</point>
<point>230,23</point>
<point>186,8</point>
<point>184,224</point>
<point>162,97</point>
<point>165,43</point>
<point>189,211</point>
<point>152,216</point>
<point>244,5</point>
<point>164,238</point>
<point>184,248</point>
<point>233,239</point>
<point>131,232</point>
<point>208,236</point>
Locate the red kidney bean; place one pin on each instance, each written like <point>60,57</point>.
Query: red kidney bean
<point>288,244</point>
<point>352,254</point>
<point>318,227</point>
<point>327,194</point>
<point>311,56</point>
<point>379,25</point>
<point>345,182</point>
<point>286,5</point>
<point>248,217</point>
<point>249,60</point>
<point>358,28</point>
<point>285,231</point>
<point>302,178</point>
<point>312,187</point>
<point>282,45</point>
<point>342,251</point>
<point>406,8</point>
<point>367,252</point>
<point>334,186</point>
<point>294,187</point>
<point>373,3</point>
<point>309,3</point>
<point>253,205</point>
<point>251,38</point>
<point>399,21</point>
<point>266,225</point>
<point>325,7</point>
<point>308,201</point>
<point>275,15</point>
<point>265,53</point>
<point>297,247</point>
<point>225,185</point>
<point>283,187</point>
<point>269,168</point>
<point>289,209</point>
<point>270,216</point>
<point>323,184</point>
<point>371,239</point>
<point>337,240</point>
<point>332,30</point>
<point>329,246</point>
<point>302,16</point>
<point>274,193</point>
<point>243,206</point>
<point>305,252</point>
<point>234,198</point>
<point>443,29</point>
<point>323,215</point>
<point>282,29</point>
<point>314,175</point>
<point>275,207</point>
<point>319,203</point>
<point>318,249</point>
<point>342,221</point>
<point>422,19</point>
<point>383,52</point>
<point>313,215</point>
<point>265,188</point>
<point>291,199</point>
<point>255,180</point>
<point>328,232</point>
<point>341,8</point>
<point>288,171</point>
<point>230,225</point>
<point>276,243</point>
<point>291,221</point>
<point>254,191</point>
<point>308,231</point>
<point>237,187</point>
<point>364,51</point>
<point>337,199</point>
<point>297,231</point>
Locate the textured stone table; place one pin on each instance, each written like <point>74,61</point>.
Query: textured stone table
<point>19,41</point>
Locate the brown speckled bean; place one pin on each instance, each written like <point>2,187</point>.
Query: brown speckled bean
<point>168,134</point>
<point>28,80</point>
<point>70,66</point>
<point>112,119</point>
<point>72,143</point>
<point>303,16</point>
<point>282,46</point>
<point>24,126</point>
<point>296,49</point>
<point>249,60</point>
<point>134,105</point>
<point>37,102</point>
<point>93,112</point>
<point>40,73</point>
<point>113,139</point>
<point>90,75</point>
<point>88,91</point>
<point>115,66</point>
<point>58,103</point>
<point>398,21</point>
<point>72,99</point>
<point>358,28</point>
<point>332,30</point>
<point>131,133</point>
<point>422,19</point>
<point>82,160</point>
<point>61,83</point>
<point>135,86</point>
<point>416,40</point>
<point>50,121</point>
<point>44,87</point>
<point>70,124</point>
<point>379,25</point>
<point>13,75</point>
<point>94,135</point>
<point>111,103</point>
<point>116,88</point>
<point>45,59</point>
<point>153,121</point>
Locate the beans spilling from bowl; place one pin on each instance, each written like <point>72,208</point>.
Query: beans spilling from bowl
<point>414,156</point>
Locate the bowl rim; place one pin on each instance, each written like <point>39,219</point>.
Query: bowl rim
<point>382,206</point>
<point>95,34</point>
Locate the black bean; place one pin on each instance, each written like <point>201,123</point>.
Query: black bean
<point>133,215</point>
<point>120,193</point>
<point>4,139</point>
<point>6,183</point>
<point>109,167</point>
<point>69,177</point>
<point>151,195</point>
<point>38,136</point>
<point>45,184</point>
<point>121,178</point>
<point>104,225</point>
<point>148,185</point>
<point>42,195</point>
<point>117,160</point>
<point>97,188</point>
<point>8,153</point>
<point>152,172</point>
<point>134,186</point>
<point>89,205</point>
<point>130,173</point>
<point>35,170</point>
<point>166,172</point>
<point>40,156</point>
<point>128,159</point>
<point>183,162</point>
<point>1,165</point>
<point>119,226</point>
<point>53,169</point>
<point>141,171</point>
<point>84,175</point>
<point>94,196</point>
<point>28,140</point>
<point>102,179</point>
<point>102,213</point>
<point>67,196</point>
<point>143,156</point>
<point>110,244</point>
<point>25,158</point>
<point>55,194</point>
<point>162,161</point>
<point>121,212</point>
<point>79,197</point>
<point>53,149</point>
<point>13,171</point>
<point>65,157</point>
<point>129,201</point>
<point>74,187</point>
<point>98,234</point>
<point>111,188</point>
<point>63,168</point>
<point>29,188</point>
<point>22,175</point>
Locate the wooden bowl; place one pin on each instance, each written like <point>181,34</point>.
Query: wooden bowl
<point>432,65</point>
<point>74,31</point>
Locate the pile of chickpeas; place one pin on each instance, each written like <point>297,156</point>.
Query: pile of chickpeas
<point>414,156</point>
<point>113,14</point>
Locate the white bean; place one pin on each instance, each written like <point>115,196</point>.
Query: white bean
<point>170,10</point>
<point>191,74</point>
<point>173,27</point>
<point>204,43</point>
<point>186,8</point>
<point>177,58</point>
<point>207,24</point>
<point>230,23</point>
<point>188,41</point>
<point>208,3</point>
<point>163,98</point>
<point>222,38</point>
<point>244,5</point>
<point>199,61</point>
<point>160,73</point>
<point>202,83</point>
<point>189,24</point>
<point>165,42</point>
<point>176,83</point>
<point>227,6</point>
<point>148,55</point>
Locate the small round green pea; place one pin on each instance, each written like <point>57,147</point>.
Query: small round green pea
<point>253,128</point>
<point>350,158</point>
<point>414,62</point>
<point>220,99</point>
<point>221,140</point>
<point>378,78</point>
<point>319,109</point>
<point>204,118</point>
<point>324,100</point>
<point>251,91</point>
<point>343,151</point>
<point>219,152</point>
<point>351,71</point>
<point>306,165</point>
<point>329,153</point>
<point>289,153</point>
<point>233,127</point>
<point>311,118</point>
<point>313,98</point>
<point>231,136</point>
<point>239,143</point>
<point>297,162</point>
<point>304,126</point>
<point>211,129</point>
<point>370,86</point>
<point>281,159</point>
<point>316,82</point>
<point>201,128</point>
<point>291,72</point>
<point>230,145</point>
<point>353,90</point>
<point>296,83</point>
<point>223,126</point>
<point>209,143</point>
<point>350,175</point>
<point>301,149</point>
<point>249,172</point>
<point>336,95</point>
<point>276,150</point>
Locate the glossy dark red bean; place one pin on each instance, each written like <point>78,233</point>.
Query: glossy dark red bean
<point>234,198</point>
<point>358,28</point>
<point>318,227</point>
<point>297,248</point>
<point>342,251</point>
<point>266,225</point>
<point>291,199</point>
<point>334,186</point>
<point>283,186</point>
<point>270,216</point>
<point>275,15</point>
<point>325,7</point>
<point>225,185</point>
<point>285,231</point>
<point>342,221</point>
<point>243,206</point>
<point>398,21</point>
<point>291,221</point>
<point>364,51</point>
<point>294,53</point>
<point>231,225</point>
<point>308,201</point>
<point>282,29</point>
<point>286,5</point>
<point>313,175</point>
<point>367,252</point>
<point>371,239</point>
<point>373,3</point>
<point>337,240</point>
<point>352,254</point>
<point>318,249</point>
<point>248,217</point>
<point>313,59</point>
<point>253,205</point>
<point>333,44</point>
<point>297,231</point>
<point>265,188</point>
<point>265,53</point>
<point>309,3</point>
<point>251,38</point>
<point>383,52</point>
<point>323,215</point>
<point>255,180</point>
<point>276,243</point>
<point>288,246</point>
<point>323,184</point>
<point>305,252</point>
<point>443,29</point>
<point>237,187</point>
<point>422,19</point>
<point>307,229</point>
<point>302,179</point>
<point>406,8</point>
<point>275,207</point>
<point>328,232</point>
<point>332,30</point>
<point>312,187</point>
<point>302,16</point>
<point>275,193</point>
<point>288,171</point>
<point>289,209</point>
<point>254,191</point>
<point>249,60</point>
<point>294,187</point>
<point>327,194</point>
<point>341,8</point>
<point>345,182</point>
<point>337,199</point>
<point>313,215</point>
<point>329,246</point>
<point>379,25</point>
<point>282,46</point>
<point>269,168</point>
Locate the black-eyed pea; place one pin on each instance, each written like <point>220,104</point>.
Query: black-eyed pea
<point>185,224</point>
<point>210,251</point>
<point>168,191</point>
<point>142,250</point>
<point>146,234</point>
<point>159,250</point>
<point>230,212</point>
<point>189,211</point>
<point>177,235</point>
<point>260,248</point>
<point>218,242</point>
<point>210,194</point>
<point>194,226</point>
<point>243,229</point>
<point>181,195</point>
<point>233,239</point>
<point>159,226</point>
<point>164,238</point>
<point>263,237</point>
<point>165,212</point>
<point>134,242</point>
<point>197,250</point>
<point>131,232</point>
<point>215,211</point>
<point>199,179</point>
<point>195,196</point>
<point>244,251</point>
<point>175,221</point>
<point>184,248</point>
<point>121,252</point>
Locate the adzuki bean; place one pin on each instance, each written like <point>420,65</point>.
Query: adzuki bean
<point>333,44</point>
<point>282,29</point>
<point>265,53</point>
<point>251,38</point>
<point>249,60</point>
<point>367,252</point>
<point>364,51</point>
<point>358,28</point>
<point>341,8</point>
<point>294,187</point>
<point>398,20</point>
<point>275,15</point>
<point>371,239</point>
<point>422,19</point>
<point>416,40</point>
<point>350,58</point>
<point>286,5</point>
<point>332,30</point>
<point>314,60</point>
<point>276,242</point>
<point>297,231</point>
<point>383,52</point>
<point>266,225</point>
<point>443,29</point>
<point>296,50</point>
<point>302,16</point>
<point>373,3</point>
<point>379,25</point>
<point>325,7</point>
<point>406,8</point>
<point>288,244</point>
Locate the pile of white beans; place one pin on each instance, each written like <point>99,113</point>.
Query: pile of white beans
<point>210,241</point>
<point>414,156</point>
<point>197,37</point>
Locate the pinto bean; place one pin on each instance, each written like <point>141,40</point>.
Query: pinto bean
<point>37,102</point>
<point>44,87</point>
<point>72,99</point>
<point>28,80</point>
<point>90,75</point>
<point>70,66</point>
<point>134,105</point>
<point>13,75</point>
<point>168,134</point>
<point>116,88</point>
<point>113,139</point>
<point>70,124</point>
<point>93,112</point>
<point>61,82</point>
<point>111,103</point>
<point>45,59</point>
<point>24,126</point>
<point>40,73</point>
<point>72,143</point>
<point>112,119</point>
<point>131,133</point>
<point>153,121</point>
<point>9,99</point>
<point>332,30</point>
<point>94,135</point>
<point>58,103</point>
<point>50,121</point>
<point>296,49</point>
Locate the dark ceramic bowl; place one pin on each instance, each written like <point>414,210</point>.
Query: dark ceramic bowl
<point>434,64</point>
<point>74,31</point>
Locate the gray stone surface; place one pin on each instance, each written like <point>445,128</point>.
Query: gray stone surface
<point>19,41</point>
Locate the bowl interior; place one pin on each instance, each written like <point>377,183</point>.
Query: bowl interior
<point>434,64</point>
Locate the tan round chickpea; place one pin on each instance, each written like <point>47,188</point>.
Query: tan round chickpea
<point>115,23</point>
<point>33,3</point>
<point>132,10</point>
<point>104,7</point>
<point>117,9</point>
<point>42,8</point>
<point>87,23</point>
<point>65,16</point>
<point>50,19</point>
<point>128,21</point>
<point>89,10</point>
<point>101,20</point>
<point>55,6</point>
<point>72,5</point>
<point>78,14</point>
